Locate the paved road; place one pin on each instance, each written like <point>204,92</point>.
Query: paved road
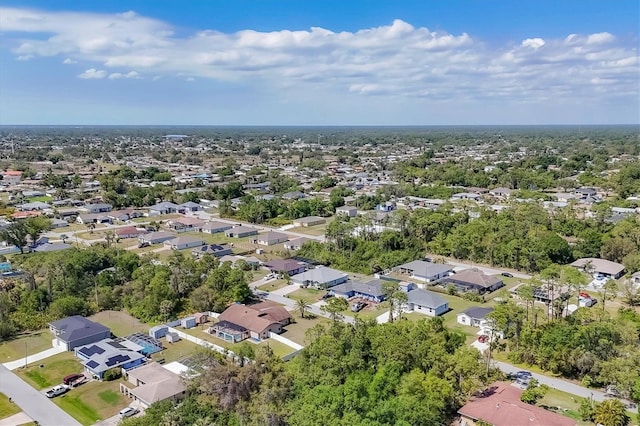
<point>35,404</point>
<point>559,384</point>
<point>17,419</point>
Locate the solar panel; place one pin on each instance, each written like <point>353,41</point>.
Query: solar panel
<point>116,345</point>
<point>91,350</point>
<point>203,248</point>
<point>92,364</point>
<point>117,360</point>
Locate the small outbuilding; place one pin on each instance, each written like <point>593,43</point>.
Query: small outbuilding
<point>188,322</point>
<point>172,337</point>
<point>158,331</point>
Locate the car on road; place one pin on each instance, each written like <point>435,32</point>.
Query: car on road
<point>327,296</point>
<point>507,274</point>
<point>56,391</point>
<point>143,245</point>
<point>128,412</point>
<point>358,306</point>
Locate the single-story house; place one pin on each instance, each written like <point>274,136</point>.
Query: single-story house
<point>49,247</point>
<point>425,271</point>
<point>190,207</point>
<point>603,267</point>
<point>252,261</point>
<point>239,322</point>
<point>87,218</point>
<point>321,277</point>
<point>76,330</point>
<point>371,290</point>
<point>293,195</point>
<point>33,193</point>
<point>215,227</point>
<point>216,250</point>
<point>473,316</point>
<point>296,243</point>
<point>156,237</point>
<point>500,405</point>
<point>288,266</point>
<point>465,196</point>
<point>426,302</point>
<point>164,207</point>
<point>58,223</point>
<point>183,242</point>
<point>501,192</point>
<point>348,211</point>
<point>474,280</point>
<point>106,354</point>
<point>241,231</point>
<point>34,206</point>
<point>129,232</point>
<point>309,221</point>
<point>154,383</point>
<point>125,215</point>
<point>271,238</point>
<point>97,208</point>
<point>185,224</point>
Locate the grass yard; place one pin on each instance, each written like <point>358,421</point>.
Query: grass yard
<point>120,322</point>
<point>273,285</point>
<point>70,228</point>
<point>11,350</point>
<point>175,351</point>
<point>279,349</point>
<point>310,295</point>
<point>298,330</point>
<point>93,401</point>
<point>7,408</point>
<point>315,230</point>
<point>563,403</point>
<point>41,199</point>
<point>54,370</point>
<point>372,311</point>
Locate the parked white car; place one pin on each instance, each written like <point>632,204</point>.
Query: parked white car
<point>128,412</point>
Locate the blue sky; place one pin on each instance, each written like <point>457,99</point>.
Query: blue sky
<point>289,62</point>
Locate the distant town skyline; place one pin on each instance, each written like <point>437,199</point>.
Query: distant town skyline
<point>319,63</point>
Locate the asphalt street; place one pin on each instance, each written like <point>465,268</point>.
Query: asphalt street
<point>35,404</point>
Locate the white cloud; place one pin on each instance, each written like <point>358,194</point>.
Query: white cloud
<point>118,75</point>
<point>397,59</point>
<point>92,73</point>
<point>69,61</point>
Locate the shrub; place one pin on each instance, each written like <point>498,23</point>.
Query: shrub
<point>112,374</point>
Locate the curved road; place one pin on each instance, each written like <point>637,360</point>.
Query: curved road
<point>35,404</point>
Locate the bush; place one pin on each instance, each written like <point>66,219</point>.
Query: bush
<point>112,374</point>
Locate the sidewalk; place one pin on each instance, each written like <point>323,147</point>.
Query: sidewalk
<point>12,365</point>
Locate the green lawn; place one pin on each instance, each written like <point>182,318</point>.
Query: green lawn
<point>563,403</point>
<point>38,341</point>
<point>310,230</point>
<point>7,408</point>
<point>54,370</point>
<point>297,331</point>
<point>310,295</point>
<point>273,285</point>
<point>120,323</point>
<point>70,228</point>
<point>279,349</point>
<point>175,351</point>
<point>42,199</point>
<point>372,311</point>
<point>93,401</point>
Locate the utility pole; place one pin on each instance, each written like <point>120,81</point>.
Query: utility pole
<point>26,354</point>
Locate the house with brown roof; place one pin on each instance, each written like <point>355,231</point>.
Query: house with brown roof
<point>185,224</point>
<point>500,405</point>
<point>287,266</point>
<point>153,383</point>
<point>239,322</point>
<point>474,280</point>
<point>129,232</point>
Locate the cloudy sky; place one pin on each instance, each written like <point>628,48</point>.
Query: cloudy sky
<point>310,62</point>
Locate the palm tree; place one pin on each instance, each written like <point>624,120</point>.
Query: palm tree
<point>15,234</point>
<point>302,306</point>
<point>109,237</point>
<point>611,412</point>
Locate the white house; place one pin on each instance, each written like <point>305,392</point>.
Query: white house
<point>426,302</point>
<point>474,316</point>
<point>271,238</point>
<point>425,271</point>
<point>348,211</point>
<point>183,242</point>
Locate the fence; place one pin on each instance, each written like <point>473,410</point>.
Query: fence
<point>224,351</point>
<point>286,341</point>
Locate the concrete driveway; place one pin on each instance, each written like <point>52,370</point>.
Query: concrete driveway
<point>12,365</point>
<point>35,404</point>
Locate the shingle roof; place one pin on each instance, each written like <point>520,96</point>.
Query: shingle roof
<point>600,265</point>
<point>475,277</point>
<point>77,327</point>
<point>319,275</point>
<point>426,269</point>
<point>372,288</point>
<point>500,405</point>
<point>255,318</point>
<point>425,298</point>
<point>477,312</point>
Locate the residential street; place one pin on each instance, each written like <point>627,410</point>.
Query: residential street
<point>12,365</point>
<point>35,404</point>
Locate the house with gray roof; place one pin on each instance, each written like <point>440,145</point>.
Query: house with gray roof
<point>183,242</point>
<point>164,207</point>
<point>74,331</point>
<point>156,237</point>
<point>106,354</point>
<point>474,317</point>
<point>240,232</point>
<point>49,247</point>
<point>474,280</point>
<point>425,271</point>
<point>321,277</point>
<point>190,207</point>
<point>371,290</point>
<point>215,227</point>
<point>426,302</point>
<point>271,238</point>
<point>592,265</point>
<point>97,208</point>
